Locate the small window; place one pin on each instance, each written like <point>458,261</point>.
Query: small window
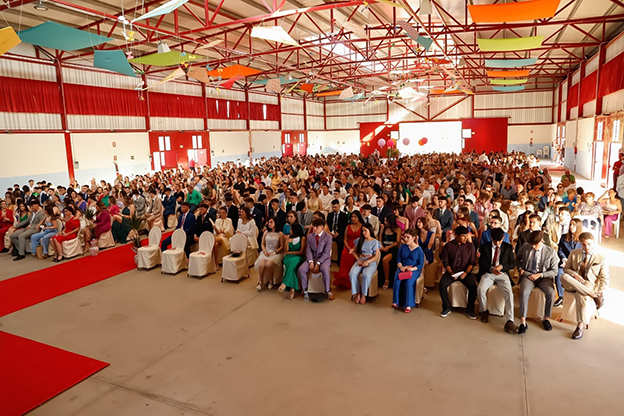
<point>194,142</point>
<point>301,138</point>
<point>563,132</point>
<point>167,143</point>
<point>161,143</point>
<point>199,142</point>
<point>287,138</point>
<point>599,131</point>
<point>228,109</point>
<point>264,111</point>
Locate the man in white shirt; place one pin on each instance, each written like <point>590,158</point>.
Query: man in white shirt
<point>326,198</point>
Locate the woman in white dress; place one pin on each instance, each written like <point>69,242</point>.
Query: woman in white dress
<point>223,231</point>
<point>247,226</point>
<point>271,255</point>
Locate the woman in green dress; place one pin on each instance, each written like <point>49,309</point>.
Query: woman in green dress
<point>293,258</point>
<point>121,222</point>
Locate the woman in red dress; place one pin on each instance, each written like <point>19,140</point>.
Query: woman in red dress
<point>6,221</point>
<point>341,277</point>
<point>72,226</point>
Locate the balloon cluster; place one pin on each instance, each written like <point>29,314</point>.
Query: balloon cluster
<point>423,141</point>
<point>382,143</point>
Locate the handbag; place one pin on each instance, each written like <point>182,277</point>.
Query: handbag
<point>405,275</point>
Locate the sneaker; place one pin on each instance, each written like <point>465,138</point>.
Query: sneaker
<point>547,325</point>
<point>472,315</point>
<point>445,313</point>
<point>558,302</point>
<point>522,329</point>
<point>259,287</point>
<point>306,297</point>
<point>270,285</point>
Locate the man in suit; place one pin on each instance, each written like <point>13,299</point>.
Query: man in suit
<point>140,205</point>
<point>535,224</point>
<point>458,260</point>
<point>380,211</point>
<point>264,206</point>
<point>278,214</point>
<point>318,258</point>
<point>369,218</point>
<point>169,205</point>
<point>414,211</point>
<point>337,221</point>
<point>495,261</point>
<point>445,216</point>
<point>186,222</point>
<point>202,221</point>
<point>256,213</point>
<point>26,229</point>
<point>232,211</point>
<point>155,209</point>
<point>537,265</point>
<point>305,216</point>
<point>586,274</point>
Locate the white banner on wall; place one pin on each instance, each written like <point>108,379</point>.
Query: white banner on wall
<point>442,137</point>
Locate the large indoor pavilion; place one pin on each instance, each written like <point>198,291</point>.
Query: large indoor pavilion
<point>304,207</point>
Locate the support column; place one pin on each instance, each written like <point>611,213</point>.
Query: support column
<point>68,144</point>
<point>148,126</point>
<point>579,111</point>
<point>601,61</point>
<point>324,115</point>
<point>247,119</point>
<point>205,107</point>
<point>279,106</point>
<point>305,115</point>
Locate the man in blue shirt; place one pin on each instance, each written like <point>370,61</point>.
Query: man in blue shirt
<point>495,222</point>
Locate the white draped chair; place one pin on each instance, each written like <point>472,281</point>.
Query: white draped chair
<point>150,255</point>
<point>174,259</point>
<point>106,240</point>
<point>201,262</point>
<point>235,268</point>
<point>458,295</point>
<point>72,248</point>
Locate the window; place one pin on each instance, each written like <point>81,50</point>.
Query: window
<point>162,159</point>
<point>286,137</point>
<point>616,131</point>
<point>599,131</point>
<point>228,109</point>
<point>301,138</point>
<point>264,111</point>
<point>161,143</point>
<point>197,142</point>
<point>167,143</point>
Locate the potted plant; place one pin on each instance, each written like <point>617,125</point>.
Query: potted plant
<point>136,223</point>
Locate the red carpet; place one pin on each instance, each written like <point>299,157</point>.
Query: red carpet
<point>32,373</point>
<point>29,289</point>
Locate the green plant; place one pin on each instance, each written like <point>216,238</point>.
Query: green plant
<point>136,222</point>
<point>206,191</point>
<point>90,214</point>
<point>135,240</point>
<point>393,153</point>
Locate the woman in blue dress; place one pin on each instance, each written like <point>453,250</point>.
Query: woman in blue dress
<point>366,253</point>
<point>427,244</point>
<point>410,259</point>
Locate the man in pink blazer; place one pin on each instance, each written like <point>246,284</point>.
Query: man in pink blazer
<point>414,211</point>
<point>318,258</point>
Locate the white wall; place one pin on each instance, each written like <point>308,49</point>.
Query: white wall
<point>266,143</point>
<point>518,138</point>
<point>48,162</point>
<point>95,154</point>
<point>342,141</point>
<point>229,146</point>
<point>570,136</point>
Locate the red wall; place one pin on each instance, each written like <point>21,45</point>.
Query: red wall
<point>181,142</point>
<point>488,134</point>
<point>370,133</point>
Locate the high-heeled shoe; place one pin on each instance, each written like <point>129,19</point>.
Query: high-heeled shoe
<point>385,285</point>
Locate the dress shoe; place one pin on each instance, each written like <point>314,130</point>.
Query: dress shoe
<point>19,257</point>
<point>15,253</point>
<point>599,301</point>
<point>331,296</point>
<point>578,333</point>
<point>511,328</point>
<point>445,313</point>
<point>471,314</point>
<point>522,329</point>
<point>485,316</point>
<point>4,250</point>
<point>547,325</point>
<point>558,302</point>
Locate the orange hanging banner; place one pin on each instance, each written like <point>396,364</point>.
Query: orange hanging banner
<point>513,12</point>
<point>508,74</point>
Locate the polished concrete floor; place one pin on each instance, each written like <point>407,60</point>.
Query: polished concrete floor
<point>181,346</point>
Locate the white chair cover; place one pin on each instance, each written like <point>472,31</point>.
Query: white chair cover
<point>72,248</point>
<point>591,225</point>
<point>458,295</point>
<point>201,261</point>
<point>420,289</point>
<point>373,289</point>
<point>334,251</point>
<point>315,283</point>
<point>235,268</point>
<point>430,274</point>
<point>174,259</point>
<point>149,256</point>
<point>106,240</point>
<point>495,301</point>
<point>159,222</point>
<point>172,221</point>
<point>569,308</point>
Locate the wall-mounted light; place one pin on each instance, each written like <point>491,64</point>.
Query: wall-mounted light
<point>40,6</point>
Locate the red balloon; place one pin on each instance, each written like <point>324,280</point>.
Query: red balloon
<point>424,141</point>
<point>391,143</point>
<point>406,141</point>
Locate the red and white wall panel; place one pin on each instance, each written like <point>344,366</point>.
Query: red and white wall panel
<point>347,115</point>
<point>315,116</point>
<point>520,108</point>
<point>292,114</point>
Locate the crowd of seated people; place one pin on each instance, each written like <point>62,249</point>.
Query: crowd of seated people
<point>496,213</point>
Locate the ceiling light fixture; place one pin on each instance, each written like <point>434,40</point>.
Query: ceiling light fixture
<point>163,47</point>
<point>40,6</point>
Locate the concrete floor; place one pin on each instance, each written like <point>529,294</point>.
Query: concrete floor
<point>181,346</point>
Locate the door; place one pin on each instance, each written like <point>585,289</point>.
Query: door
<point>302,148</point>
<point>170,159</point>
<point>287,145</point>
<point>598,155</point>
